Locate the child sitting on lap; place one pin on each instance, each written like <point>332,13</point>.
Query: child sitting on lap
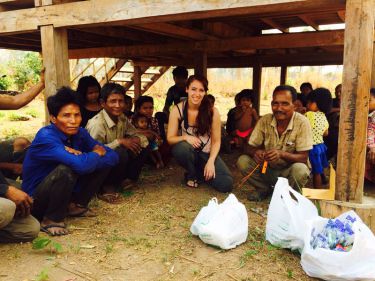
<point>141,122</point>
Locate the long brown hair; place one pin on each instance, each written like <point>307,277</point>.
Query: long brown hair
<point>205,111</point>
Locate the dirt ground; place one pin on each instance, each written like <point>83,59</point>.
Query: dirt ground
<point>147,237</point>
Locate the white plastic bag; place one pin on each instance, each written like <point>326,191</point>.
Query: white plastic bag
<point>287,216</point>
<point>224,225</point>
<point>204,216</point>
<point>357,264</point>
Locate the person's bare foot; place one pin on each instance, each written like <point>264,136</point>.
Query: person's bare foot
<point>76,210</point>
<point>53,228</point>
<point>128,184</point>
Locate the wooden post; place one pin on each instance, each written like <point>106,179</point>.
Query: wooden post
<point>358,52</point>
<point>55,59</point>
<point>283,74</point>
<point>137,79</point>
<point>257,85</point>
<point>373,66</point>
<point>200,63</point>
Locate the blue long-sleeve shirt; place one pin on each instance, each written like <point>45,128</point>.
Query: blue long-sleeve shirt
<point>47,151</point>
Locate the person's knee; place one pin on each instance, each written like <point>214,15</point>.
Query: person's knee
<point>123,155</point>
<point>31,230</point>
<point>182,149</point>
<point>7,211</point>
<point>65,172</point>
<point>244,163</point>
<point>300,173</point>
<point>223,183</point>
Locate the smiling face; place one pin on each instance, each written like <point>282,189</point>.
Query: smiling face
<point>282,105</point>
<point>114,105</point>
<point>195,92</point>
<point>68,119</point>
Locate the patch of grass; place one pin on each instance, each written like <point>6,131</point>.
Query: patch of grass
<point>127,193</point>
<point>10,133</point>
<point>108,248</point>
<point>32,112</point>
<point>14,116</point>
<point>42,276</point>
<point>2,114</point>
<point>289,273</point>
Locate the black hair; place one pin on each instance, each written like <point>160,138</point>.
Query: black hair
<point>83,84</point>
<point>211,98</point>
<point>63,96</point>
<point>372,92</point>
<point>137,116</point>
<point>128,98</point>
<point>305,84</point>
<point>292,90</point>
<point>111,88</point>
<point>180,72</point>
<point>323,99</point>
<point>141,100</point>
<point>246,93</point>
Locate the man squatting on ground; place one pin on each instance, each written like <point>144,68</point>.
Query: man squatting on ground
<point>64,166</point>
<point>16,223</point>
<point>283,138</point>
<point>111,127</point>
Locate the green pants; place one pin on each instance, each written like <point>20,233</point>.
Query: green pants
<point>297,174</point>
<point>16,229</point>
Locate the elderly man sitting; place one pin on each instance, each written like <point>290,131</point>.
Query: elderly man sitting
<point>283,139</point>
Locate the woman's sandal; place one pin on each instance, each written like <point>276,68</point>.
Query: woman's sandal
<point>192,183</point>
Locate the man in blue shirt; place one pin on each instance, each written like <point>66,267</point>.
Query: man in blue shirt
<point>64,167</point>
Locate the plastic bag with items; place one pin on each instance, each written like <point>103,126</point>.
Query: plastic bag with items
<point>340,249</point>
<point>223,225</point>
<point>287,215</point>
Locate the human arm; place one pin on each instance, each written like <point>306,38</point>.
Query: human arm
<point>20,100</point>
<point>209,169</point>
<point>173,125</point>
<point>16,168</point>
<point>22,200</point>
<point>168,101</point>
<point>273,155</point>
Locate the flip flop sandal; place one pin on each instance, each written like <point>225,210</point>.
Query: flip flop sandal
<point>192,183</point>
<point>46,229</point>
<point>112,198</point>
<point>85,213</point>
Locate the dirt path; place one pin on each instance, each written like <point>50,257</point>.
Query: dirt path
<point>147,238</point>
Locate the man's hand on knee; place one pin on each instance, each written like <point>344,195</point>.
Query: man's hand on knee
<point>22,200</point>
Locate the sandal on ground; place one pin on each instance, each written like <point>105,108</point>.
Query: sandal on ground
<point>112,198</point>
<point>192,183</point>
<point>84,213</point>
<point>47,230</point>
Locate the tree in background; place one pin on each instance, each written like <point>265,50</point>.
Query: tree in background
<point>25,68</point>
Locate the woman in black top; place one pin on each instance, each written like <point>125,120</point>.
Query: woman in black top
<point>88,90</point>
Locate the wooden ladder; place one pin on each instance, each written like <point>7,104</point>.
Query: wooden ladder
<point>115,70</point>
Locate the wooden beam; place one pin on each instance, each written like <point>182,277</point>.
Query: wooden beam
<point>175,31</point>
<point>200,63</point>
<point>275,25</point>
<point>373,68</point>
<point>307,20</point>
<point>283,74</point>
<point>137,80</point>
<point>257,85</point>
<point>130,12</point>
<point>249,61</point>
<point>275,41</point>
<point>55,58</point>
<point>358,50</point>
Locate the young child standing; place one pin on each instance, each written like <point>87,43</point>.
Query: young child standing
<point>319,103</point>
<point>245,117</point>
<point>141,122</point>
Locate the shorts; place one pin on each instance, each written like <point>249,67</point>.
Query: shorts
<point>318,158</point>
<point>244,134</point>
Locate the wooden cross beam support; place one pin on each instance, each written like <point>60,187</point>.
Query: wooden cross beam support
<point>291,40</point>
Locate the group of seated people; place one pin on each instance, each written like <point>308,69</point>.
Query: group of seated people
<point>96,146</point>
